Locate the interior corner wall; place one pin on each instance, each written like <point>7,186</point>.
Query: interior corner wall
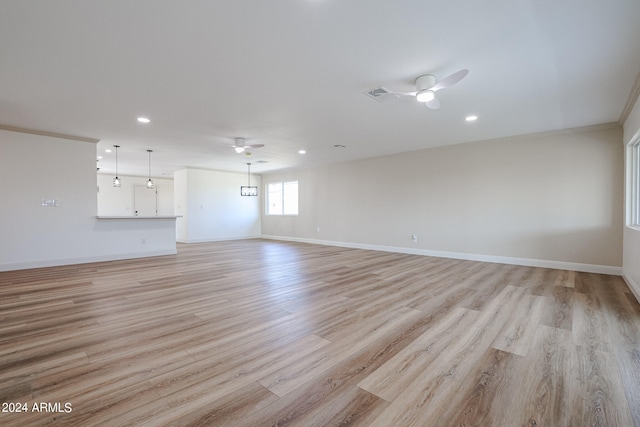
<point>631,245</point>
<point>554,197</point>
<point>35,167</point>
<point>212,208</point>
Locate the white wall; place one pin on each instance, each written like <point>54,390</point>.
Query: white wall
<point>631,245</point>
<point>212,208</point>
<point>33,167</point>
<point>119,200</point>
<point>180,198</point>
<point>550,199</point>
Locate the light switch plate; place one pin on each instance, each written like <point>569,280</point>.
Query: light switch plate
<point>50,203</point>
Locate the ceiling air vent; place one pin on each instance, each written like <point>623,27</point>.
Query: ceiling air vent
<point>381,94</point>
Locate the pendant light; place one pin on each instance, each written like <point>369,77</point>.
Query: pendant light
<point>248,190</point>
<point>116,180</point>
<point>150,183</point>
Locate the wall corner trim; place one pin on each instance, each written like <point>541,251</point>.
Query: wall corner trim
<point>635,287</point>
<point>631,101</point>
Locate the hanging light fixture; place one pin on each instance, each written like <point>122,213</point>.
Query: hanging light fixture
<point>149,182</point>
<point>248,190</point>
<point>116,180</point>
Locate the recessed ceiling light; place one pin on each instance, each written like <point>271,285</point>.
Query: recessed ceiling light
<point>302,152</point>
<point>143,120</point>
<point>471,118</point>
<point>99,157</point>
<point>108,150</point>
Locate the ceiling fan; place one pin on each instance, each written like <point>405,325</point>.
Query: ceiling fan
<point>426,88</point>
<point>240,146</point>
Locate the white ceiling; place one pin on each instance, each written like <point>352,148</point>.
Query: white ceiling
<point>291,74</point>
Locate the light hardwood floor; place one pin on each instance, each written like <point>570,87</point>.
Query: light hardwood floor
<point>257,332</point>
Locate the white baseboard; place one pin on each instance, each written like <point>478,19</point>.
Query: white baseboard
<point>218,239</point>
<point>559,265</point>
<point>635,288</point>
<point>83,260</point>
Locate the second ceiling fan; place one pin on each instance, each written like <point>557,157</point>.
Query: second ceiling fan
<point>240,146</point>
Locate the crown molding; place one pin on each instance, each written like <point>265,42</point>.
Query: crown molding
<point>50,134</point>
<point>631,101</point>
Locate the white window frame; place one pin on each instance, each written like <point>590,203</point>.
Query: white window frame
<point>634,184</point>
<point>283,198</point>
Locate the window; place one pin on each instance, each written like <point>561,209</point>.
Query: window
<point>635,183</point>
<point>282,198</point>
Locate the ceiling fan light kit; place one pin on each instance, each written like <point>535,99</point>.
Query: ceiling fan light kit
<point>425,95</point>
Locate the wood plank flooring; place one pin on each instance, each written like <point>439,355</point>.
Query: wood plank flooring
<point>267,333</point>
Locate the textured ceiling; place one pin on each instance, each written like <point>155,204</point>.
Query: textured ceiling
<point>291,74</point>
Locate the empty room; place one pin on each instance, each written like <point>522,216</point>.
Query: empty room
<point>320,213</point>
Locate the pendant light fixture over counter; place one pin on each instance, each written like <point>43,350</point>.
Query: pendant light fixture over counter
<point>248,190</point>
<point>116,180</point>
<point>149,183</point>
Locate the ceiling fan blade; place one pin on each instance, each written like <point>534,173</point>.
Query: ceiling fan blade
<point>394,96</point>
<point>434,104</point>
<point>450,80</point>
<point>254,146</point>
